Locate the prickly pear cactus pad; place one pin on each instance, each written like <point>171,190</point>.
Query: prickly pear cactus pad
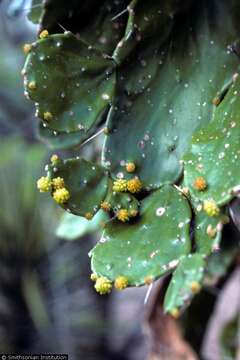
<point>214,152</point>
<point>159,81</point>
<point>78,80</point>
<point>61,139</point>
<point>165,95</point>
<point>185,282</point>
<point>96,22</point>
<point>35,11</point>
<point>148,247</point>
<point>208,231</point>
<point>74,227</point>
<point>86,183</point>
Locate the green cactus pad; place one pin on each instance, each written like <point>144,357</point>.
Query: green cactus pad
<point>148,247</point>
<point>214,152</point>
<point>123,201</point>
<point>145,18</point>
<point>60,139</point>
<point>97,22</point>
<point>86,182</point>
<point>72,227</point>
<point>73,84</point>
<point>204,241</point>
<point>35,12</point>
<point>219,262</point>
<point>189,272</point>
<point>166,94</point>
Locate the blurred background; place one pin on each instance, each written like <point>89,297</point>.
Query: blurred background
<point>47,301</point>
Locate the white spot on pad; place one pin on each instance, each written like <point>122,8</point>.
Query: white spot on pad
<point>160,211</point>
<point>105,97</point>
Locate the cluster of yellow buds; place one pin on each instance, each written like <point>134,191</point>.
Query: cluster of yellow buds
<point>60,194</point>
<point>121,282</point>
<point>44,184</point>
<point>122,215</point>
<point>58,183</point>
<point>134,185</point>
<point>120,185</point>
<point>106,206</point>
<point>88,216</point>
<point>210,207</point>
<point>43,34</point>
<point>103,285</point>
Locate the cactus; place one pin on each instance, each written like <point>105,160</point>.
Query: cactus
<point>214,152</point>
<point>141,254</point>
<point>90,76</point>
<point>208,231</point>
<point>73,227</point>
<point>96,22</point>
<point>85,182</point>
<point>185,283</point>
<point>168,96</point>
<point>60,139</point>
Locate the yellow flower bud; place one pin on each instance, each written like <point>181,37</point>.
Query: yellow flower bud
<point>88,216</point>
<point>148,280</point>
<point>32,85</point>
<point>93,277</point>
<point>195,287</point>
<point>54,159</point>
<point>130,167</point>
<point>122,215</point>
<point>43,34</point>
<point>106,206</point>
<point>210,207</point>
<point>61,196</point>
<point>133,213</point>
<point>27,48</point>
<point>121,282</point>
<point>103,285</point>
<point>175,312</point>
<point>58,183</point>
<point>47,116</point>
<point>44,184</point>
<point>134,185</point>
<point>120,185</point>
